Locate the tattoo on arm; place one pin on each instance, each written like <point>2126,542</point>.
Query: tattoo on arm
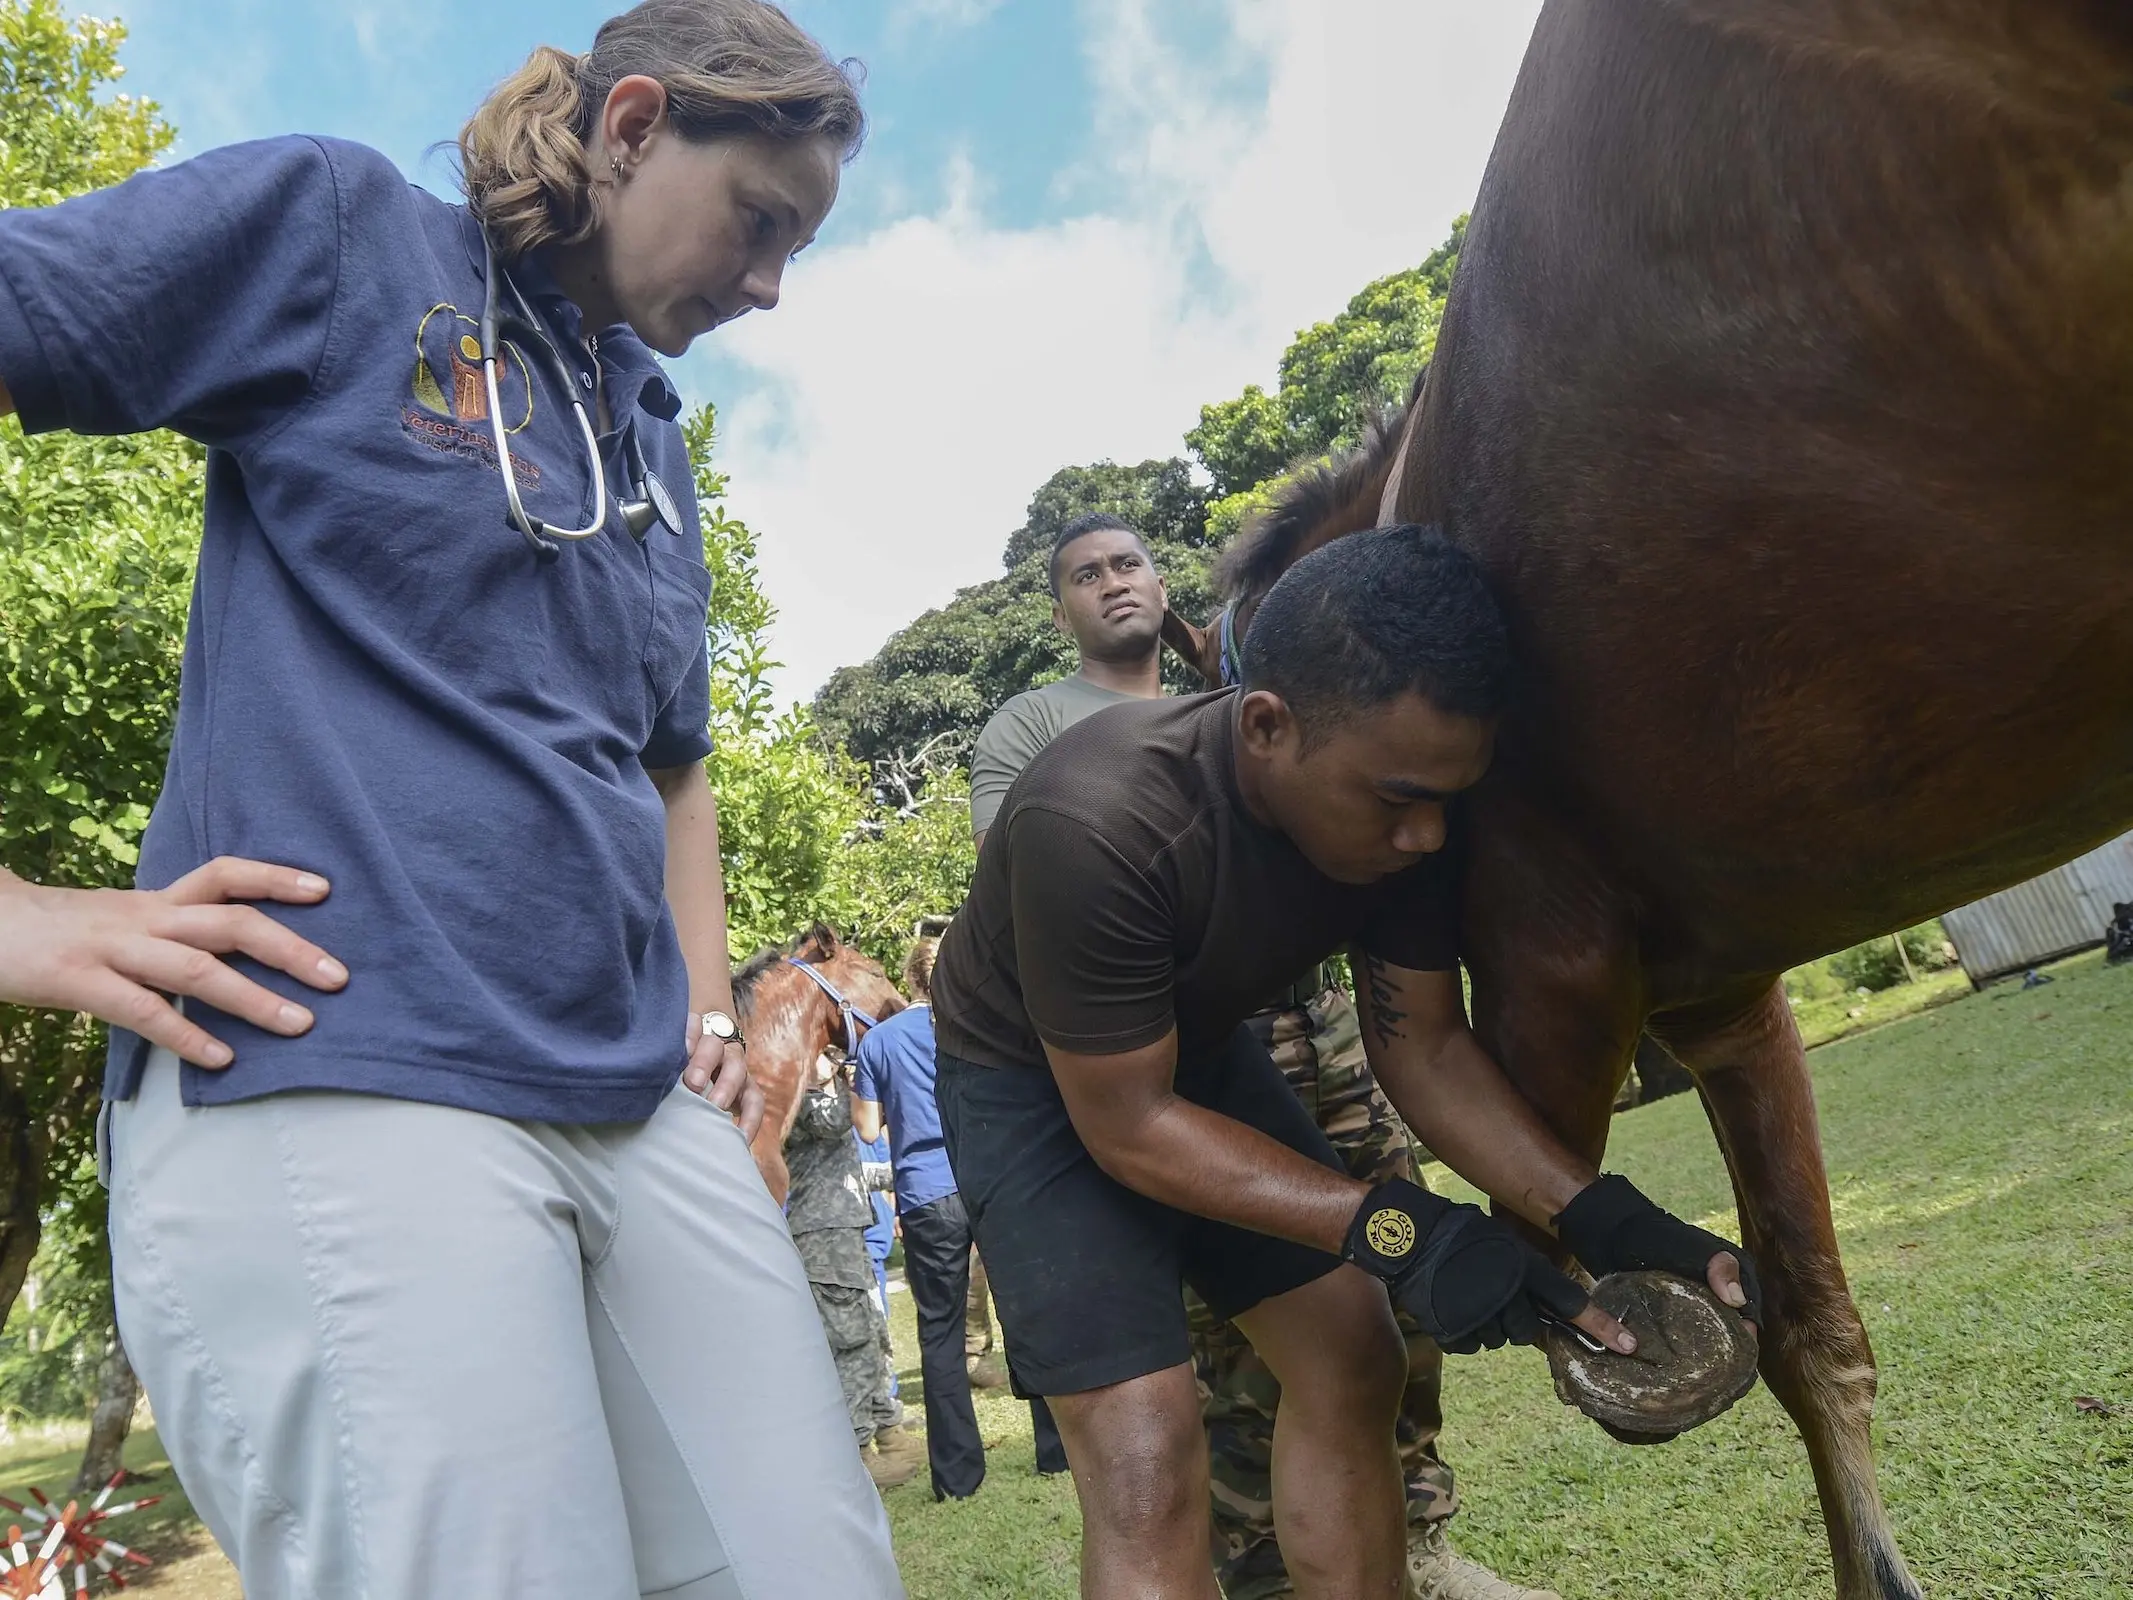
<point>1385,1017</point>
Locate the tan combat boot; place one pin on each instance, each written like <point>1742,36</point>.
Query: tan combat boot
<point>987,1371</point>
<point>896,1458</point>
<point>1434,1573</point>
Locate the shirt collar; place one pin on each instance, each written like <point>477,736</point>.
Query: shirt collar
<point>632,360</point>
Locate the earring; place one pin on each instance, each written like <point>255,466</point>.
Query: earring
<point>614,164</point>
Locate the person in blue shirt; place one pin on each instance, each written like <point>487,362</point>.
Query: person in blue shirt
<point>892,1091</point>
<point>497,1304</point>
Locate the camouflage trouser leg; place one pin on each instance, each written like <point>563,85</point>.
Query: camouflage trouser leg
<point>859,1341</point>
<point>1320,1052</point>
<point>977,1312</point>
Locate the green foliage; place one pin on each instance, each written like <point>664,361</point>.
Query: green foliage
<point>1335,378</point>
<point>906,864</point>
<point>804,830</point>
<point>1874,965</point>
<point>60,1326</point>
<point>785,802</point>
<point>1157,497</point>
<point>57,138</point>
<point>1880,964</point>
<point>98,539</point>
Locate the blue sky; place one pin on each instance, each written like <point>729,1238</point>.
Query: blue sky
<point>1076,221</point>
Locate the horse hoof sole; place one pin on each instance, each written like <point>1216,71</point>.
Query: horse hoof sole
<point>1695,1358</point>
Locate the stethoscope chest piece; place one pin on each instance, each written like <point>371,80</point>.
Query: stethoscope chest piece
<point>653,507</point>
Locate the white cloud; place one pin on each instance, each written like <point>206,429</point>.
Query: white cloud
<point>921,381</point>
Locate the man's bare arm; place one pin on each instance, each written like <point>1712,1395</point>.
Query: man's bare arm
<point>1158,1144</point>
<point>866,1118</point>
<point>1454,1097</point>
<point>1462,1107</point>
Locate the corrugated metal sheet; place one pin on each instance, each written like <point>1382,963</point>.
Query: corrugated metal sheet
<point>2064,911</point>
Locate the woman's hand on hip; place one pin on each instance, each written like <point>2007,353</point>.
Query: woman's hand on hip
<point>116,953</point>
<point>718,1070</point>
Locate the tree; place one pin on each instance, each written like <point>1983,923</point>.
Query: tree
<point>98,539</point>
<point>1335,377</point>
<point>805,830</point>
<point>785,800</point>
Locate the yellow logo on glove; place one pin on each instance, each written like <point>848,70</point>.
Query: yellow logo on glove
<point>1390,1232</point>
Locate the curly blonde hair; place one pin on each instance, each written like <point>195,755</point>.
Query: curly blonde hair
<point>729,67</point>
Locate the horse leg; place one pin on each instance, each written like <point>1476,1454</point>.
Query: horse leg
<point>1558,989</point>
<point>1815,1356</point>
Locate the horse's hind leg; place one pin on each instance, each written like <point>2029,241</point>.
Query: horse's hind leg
<point>1816,1359</point>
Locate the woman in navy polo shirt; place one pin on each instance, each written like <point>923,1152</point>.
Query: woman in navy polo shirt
<point>496,1304</point>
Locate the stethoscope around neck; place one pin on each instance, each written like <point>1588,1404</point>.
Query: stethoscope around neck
<point>652,505</point>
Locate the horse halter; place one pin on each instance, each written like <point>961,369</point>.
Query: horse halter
<point>1232,649</point>
<point>848,1014</point>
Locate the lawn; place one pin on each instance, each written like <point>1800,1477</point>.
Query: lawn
<point>1981,1158</point>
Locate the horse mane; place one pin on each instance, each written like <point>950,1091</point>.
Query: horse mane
<point>818,943</point>
<point>1272,540</point>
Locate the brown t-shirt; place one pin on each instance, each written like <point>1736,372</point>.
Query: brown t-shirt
<point>1126,890</point>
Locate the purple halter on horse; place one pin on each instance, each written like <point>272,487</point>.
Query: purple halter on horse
<point>847,1013</point>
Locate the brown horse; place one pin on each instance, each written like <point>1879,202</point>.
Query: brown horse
<point>1786,394</point>
<point>790,1018</point>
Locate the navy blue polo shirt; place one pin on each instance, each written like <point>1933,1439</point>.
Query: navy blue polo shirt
<point>382,683</point>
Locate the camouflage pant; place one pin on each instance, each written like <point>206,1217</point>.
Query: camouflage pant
<point>1320,1052</point>
<point>858,1334</point>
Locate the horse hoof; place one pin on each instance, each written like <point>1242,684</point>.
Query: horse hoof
<point>1695,1357</point>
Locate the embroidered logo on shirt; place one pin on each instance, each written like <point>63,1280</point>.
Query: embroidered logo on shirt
<point>448,381</point>
<point>451,410</point>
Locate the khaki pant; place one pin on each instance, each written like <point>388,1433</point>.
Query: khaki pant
<point>401,1350</point>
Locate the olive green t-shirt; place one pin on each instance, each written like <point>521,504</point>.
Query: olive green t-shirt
<point>1021,728</point>
<point>1124,890</point>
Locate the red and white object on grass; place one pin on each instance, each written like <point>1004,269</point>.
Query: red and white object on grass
<point>69,1539</point>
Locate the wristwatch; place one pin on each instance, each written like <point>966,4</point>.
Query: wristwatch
<point>723,1028</point>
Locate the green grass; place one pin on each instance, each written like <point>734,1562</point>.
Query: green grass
<point>1827,1018</point>
<point>1981,1160</point>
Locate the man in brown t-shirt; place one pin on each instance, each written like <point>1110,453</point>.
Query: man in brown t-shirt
<point>1153,875</point>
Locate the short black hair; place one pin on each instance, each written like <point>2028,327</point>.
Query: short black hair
<point>1376,615</point>
<point>1089,522</point>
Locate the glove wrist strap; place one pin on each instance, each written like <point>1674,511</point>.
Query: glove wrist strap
<point>1386,1236</point>
<point>1588,1225</point>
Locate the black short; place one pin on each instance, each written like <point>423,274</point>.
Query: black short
<point>1086,1273</point>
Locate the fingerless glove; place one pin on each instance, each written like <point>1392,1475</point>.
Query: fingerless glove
<point>1612,1227</point>
<point>1467,1279</point>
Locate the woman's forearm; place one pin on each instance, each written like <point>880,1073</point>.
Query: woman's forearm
<point>696,884</point>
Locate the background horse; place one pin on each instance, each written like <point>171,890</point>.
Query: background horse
<point>1785,393</point>
<point>789,1019</point>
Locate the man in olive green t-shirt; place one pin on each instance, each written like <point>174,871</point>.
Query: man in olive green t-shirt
<point>1107,594</point>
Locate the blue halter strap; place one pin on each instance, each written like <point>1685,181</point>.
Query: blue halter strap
<point>1232,661</point>
<point>847,1013</point>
